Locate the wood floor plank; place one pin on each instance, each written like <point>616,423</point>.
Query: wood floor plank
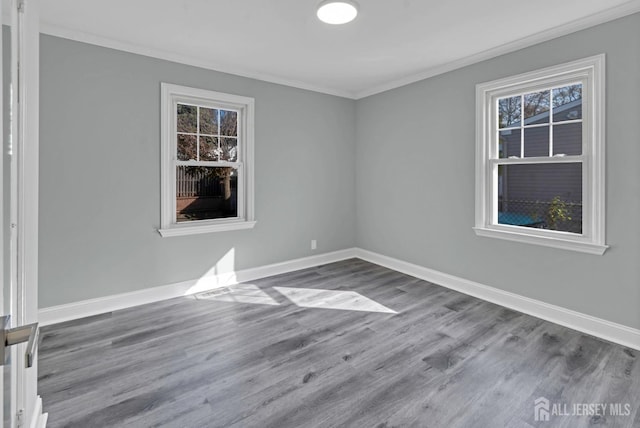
<point>256,355</point>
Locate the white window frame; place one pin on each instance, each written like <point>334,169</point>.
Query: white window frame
<point>171,95</point>
<point>591,73</point>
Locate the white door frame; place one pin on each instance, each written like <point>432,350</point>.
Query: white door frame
<point>25,163</point>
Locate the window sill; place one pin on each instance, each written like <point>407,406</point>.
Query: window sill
<point>182,230</point>
<point>564,244</point>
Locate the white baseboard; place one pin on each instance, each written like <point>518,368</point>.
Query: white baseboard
<point>598,327</point>
<point>39,419</point>
<point>100,305</point>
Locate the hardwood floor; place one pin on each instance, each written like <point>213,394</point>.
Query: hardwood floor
<point>400,352</point>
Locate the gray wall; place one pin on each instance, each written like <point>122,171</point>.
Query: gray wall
<point>100,126</point>
<point>415,180</point>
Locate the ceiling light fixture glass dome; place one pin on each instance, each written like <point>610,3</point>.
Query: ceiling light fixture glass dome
<point>337,11</point>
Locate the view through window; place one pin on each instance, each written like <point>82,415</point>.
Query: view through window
<point>207,163</point>
<point>542,124</point>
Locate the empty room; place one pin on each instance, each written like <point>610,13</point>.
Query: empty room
<point>306,213</point>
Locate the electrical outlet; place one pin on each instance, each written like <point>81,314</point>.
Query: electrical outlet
<point>314,244</point>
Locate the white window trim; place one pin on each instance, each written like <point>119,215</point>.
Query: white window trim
<point>170,96</point>
<point>590,71</point>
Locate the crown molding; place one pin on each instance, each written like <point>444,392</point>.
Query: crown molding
<point>106,42</point>
<point>543,36</point>
<point>611,14</point>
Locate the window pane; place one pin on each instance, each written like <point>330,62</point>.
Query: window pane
<point>204,193</point>
<point>546,196</point>
<point>208,148</point>
<point>567,139</point>
<point>509,143</point>
<point>536,107</point>
<point>509,112</point>
<point>228,149</point>
<point>536,141</point>
<point>187,147</point>
<point>229,123</point>
<point>567,103</point>
<point>187,118</point>
<point>208,121</point>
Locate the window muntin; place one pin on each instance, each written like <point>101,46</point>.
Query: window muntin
<point>540,157</point>
<point>207,161</point>
<point>531,125</point>
<point>206,134</point>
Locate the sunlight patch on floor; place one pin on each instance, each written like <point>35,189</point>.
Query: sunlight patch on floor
<point>239,293</point>
<point>332,299</point>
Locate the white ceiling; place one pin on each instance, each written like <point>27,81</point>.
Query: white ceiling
<point>391,42</point>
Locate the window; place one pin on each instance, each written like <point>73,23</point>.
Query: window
<point>207,161</point>
<point>540,157</point>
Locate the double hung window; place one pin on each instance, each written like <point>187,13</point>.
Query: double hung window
<point>207,170</point>
<point>540,157</point>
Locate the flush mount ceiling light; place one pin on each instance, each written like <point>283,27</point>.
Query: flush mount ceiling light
<point>337,11</point>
